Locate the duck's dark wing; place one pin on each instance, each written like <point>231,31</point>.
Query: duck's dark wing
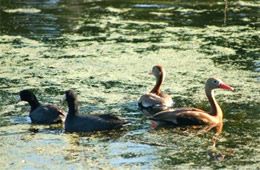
<point>183,116</point>
<point>151,103</point>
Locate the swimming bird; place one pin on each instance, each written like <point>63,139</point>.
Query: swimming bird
<point>96,122</point>
<point>194,116</point>
<point>41,114</point>
<point>156,101</point>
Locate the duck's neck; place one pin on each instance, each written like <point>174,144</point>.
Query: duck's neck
<point>157,87</point>
<point>215,108</point>
<point>34,103</point>
<point>73,108</point>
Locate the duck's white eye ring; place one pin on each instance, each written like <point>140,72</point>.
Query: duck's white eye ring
<point>215,82</point>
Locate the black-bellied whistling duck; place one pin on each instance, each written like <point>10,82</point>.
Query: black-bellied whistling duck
<point>41,114</point>
<point>194,116</point>
<point>155,101</point>
<point>77,123</point>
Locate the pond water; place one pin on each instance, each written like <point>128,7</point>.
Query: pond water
<point>103,50</point>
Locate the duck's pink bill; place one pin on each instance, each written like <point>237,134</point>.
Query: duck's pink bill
<point>154,124</point>
<point>224,86</point>
<point>150,73</point>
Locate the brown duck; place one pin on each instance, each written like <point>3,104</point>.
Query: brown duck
<point>194,116</point>
<point>155,101</point>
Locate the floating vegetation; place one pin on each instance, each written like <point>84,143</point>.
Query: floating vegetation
<point>103,50</point>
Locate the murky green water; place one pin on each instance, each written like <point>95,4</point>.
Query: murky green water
<point>103,50</point>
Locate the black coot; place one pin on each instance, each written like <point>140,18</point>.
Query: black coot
<point>76,123</point>
<point>41,114</point>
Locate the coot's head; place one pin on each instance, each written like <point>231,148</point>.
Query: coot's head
<point>69,95</point>
<point>26,95</point>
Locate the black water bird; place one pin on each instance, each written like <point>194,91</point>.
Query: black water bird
<point>95,122</point>
<point>41,114</point>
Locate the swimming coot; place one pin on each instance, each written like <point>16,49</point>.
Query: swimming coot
<point>96,122</point>
<point>41,114</point>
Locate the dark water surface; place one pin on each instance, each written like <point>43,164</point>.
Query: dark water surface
<point>103,50</point>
